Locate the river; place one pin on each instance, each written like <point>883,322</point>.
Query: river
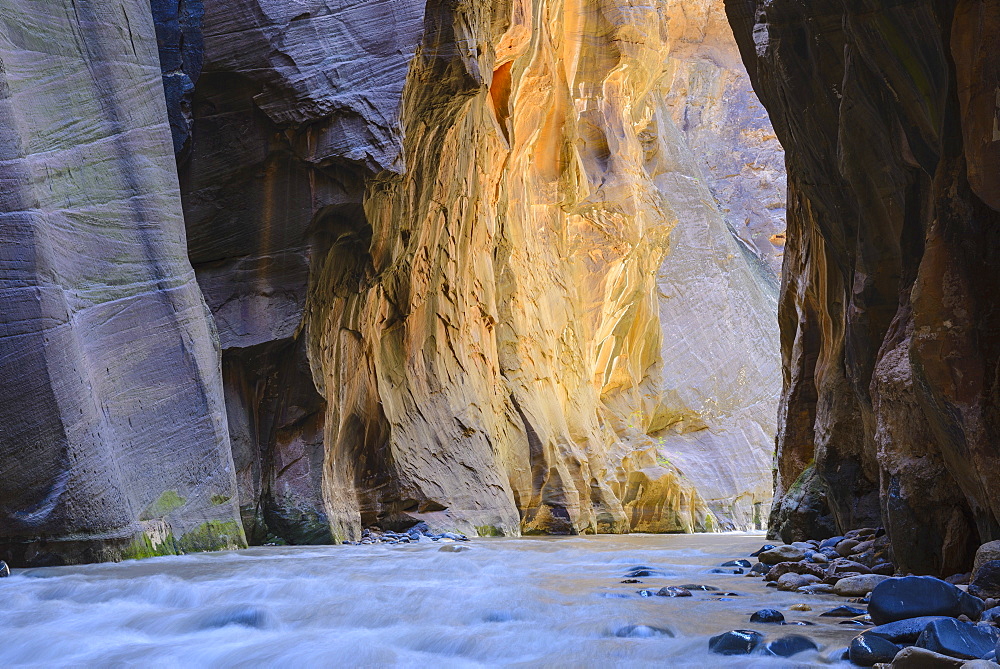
<point>526,602</point>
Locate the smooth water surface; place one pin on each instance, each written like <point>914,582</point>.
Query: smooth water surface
<point>528,602</point>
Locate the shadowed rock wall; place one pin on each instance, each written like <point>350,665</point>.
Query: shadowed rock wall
<point>113,437</point>
<point>889,300</point>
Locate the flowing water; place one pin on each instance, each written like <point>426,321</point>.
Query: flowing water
<point>528,602</point>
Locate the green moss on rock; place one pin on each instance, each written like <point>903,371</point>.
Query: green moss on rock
<point>164,504</point>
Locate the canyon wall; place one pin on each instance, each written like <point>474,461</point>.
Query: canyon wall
<point>500,267</point>
<point>113,436</point>
<point>442,246</point>
<point>889,305</point>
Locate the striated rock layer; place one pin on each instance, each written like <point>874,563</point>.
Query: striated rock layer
<point>113,436</point>
<point>467,263</point>
<point>435,238</point>
<point>889,304</point>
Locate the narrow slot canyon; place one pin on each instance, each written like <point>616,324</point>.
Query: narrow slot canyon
<point>590,287</point>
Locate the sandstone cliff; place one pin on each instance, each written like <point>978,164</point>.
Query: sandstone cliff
<point>113,437</point>
<point>498,266</point>
<point>889,301</point>
<point>436,238</point>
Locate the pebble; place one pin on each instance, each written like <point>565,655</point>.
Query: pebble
<point>768,616</point>
<point>790,645</point>
<point>736,642</point>
<point>915,596</point>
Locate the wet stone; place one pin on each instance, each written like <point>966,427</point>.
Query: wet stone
<point>643,572</point>
<point>790,645</point>
<point>760,568</point>
<point>673,591</point>
<point>957,639</point>
<point>736,642</point>
<point>986,582</point>
<point>762,549</point>
<point>4,569</point>
<point>737,563</point>
<point>696,586</point>
<point>916,596</point>
<point>768,616</point>
<point>642,632</point>
<point>843,612</point>
<point>903,631</point>
<point>866,650</point>
<point>631,580</point>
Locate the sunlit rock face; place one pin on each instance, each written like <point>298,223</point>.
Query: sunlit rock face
<point>889,305</point>
<point>113,436</point>
<point>469,265</point>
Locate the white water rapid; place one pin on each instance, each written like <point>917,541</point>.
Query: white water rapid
<point>529,602</point>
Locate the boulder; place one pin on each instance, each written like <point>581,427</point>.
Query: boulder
<point>830,543</point>
<point>957,639</point>
<point>782,568</point>
<point>782,554</point>
<point>986,580</point>
<point>790,645</point>
<point>847,566</point>
<point>846,547</point>
<point>868,649</point>
<point>903,631</point>
<point>642,632</point>
<point>858,586</point>
<point>915,596</point>
<point>817,589</point>
<point>767,616</point>
<point>843,612</point>
<point>762,549</point>
<point>920,658</point>
<point>987,552</point>
<point>736,642</point>
<point>792,581</point>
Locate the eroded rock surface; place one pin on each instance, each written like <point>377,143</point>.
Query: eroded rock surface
<point>113,436</point>
<point>888,310</point>
<point>467,262</point>
<point>458,219</point>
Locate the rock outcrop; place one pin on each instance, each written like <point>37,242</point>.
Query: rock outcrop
<point>113,436</point>
<point>500,267</point>
<point>889,301</point>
